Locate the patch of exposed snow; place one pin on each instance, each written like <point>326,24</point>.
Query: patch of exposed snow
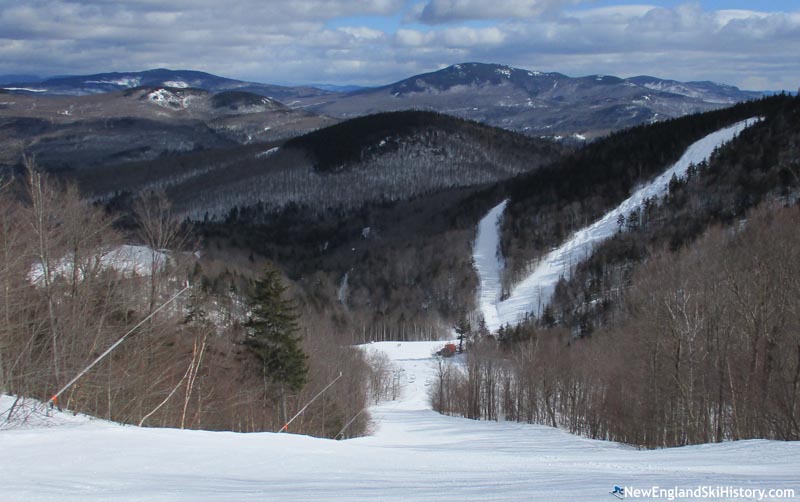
<point>344,289</point>
<point>178,84</point>
<point>123,82</point>
<point>267,153</point>
<point>168,99</point>
<point>126,259</point>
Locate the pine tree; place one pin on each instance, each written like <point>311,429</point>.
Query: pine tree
<point>463,330</point>
<point>272,336</point>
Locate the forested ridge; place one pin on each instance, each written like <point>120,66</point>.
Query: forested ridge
<point>680,329</point>
<point>351,141</point>
<point>549,204</point>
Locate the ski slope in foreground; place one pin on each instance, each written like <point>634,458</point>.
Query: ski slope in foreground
<point>533,293</point>
<point>414,455</point>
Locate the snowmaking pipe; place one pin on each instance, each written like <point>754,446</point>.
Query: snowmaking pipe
<point>341,432</point>
<point>286,425</point>
<point>54,400</point>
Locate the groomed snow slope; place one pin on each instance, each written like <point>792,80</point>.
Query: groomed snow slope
<point>533,293</point>
<point>415,455</point>
<point>489,264</point>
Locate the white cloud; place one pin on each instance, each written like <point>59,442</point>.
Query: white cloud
<point>457,37</point>
<point>295,42</point>
<point>443,11</point>
<point>363,33</point>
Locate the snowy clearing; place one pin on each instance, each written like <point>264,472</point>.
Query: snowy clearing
<point>267,153</point>
<point>126,259</point>
<point>414,455</point>
<point>533,293</point>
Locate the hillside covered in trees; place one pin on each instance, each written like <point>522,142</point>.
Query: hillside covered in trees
<point>680,329</point>
<point>193,357</point>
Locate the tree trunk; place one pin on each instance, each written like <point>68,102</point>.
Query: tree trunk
<point>284,414</point>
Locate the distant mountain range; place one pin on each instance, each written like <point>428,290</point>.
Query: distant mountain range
<point>543,104</point>
<point>140,124</point>
<point>81,85</point>
<point>536,103</point>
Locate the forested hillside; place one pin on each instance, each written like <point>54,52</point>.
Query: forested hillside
<point>376,159</point>
<point>549,204</point>
<point>377,231</point>
<point>683,327</point>
<point>71,290</point>
<point>706,350</point>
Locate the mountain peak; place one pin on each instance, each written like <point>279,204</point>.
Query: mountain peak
<point>469,74</point>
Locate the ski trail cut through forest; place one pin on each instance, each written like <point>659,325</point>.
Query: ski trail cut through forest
<point>531,295</point>
<point>489,264</point>
<point>415,455</point>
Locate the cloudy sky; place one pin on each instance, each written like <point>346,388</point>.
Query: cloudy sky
<point>751,44</point>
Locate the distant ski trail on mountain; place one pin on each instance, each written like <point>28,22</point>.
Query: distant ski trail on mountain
<point>532,294</point>
<point>489,263</point>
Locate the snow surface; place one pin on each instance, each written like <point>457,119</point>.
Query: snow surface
<point>267,153</point>
<point>124,82</point>
<point>486,257</point>
<point>165,98</point>
<point>178,84</point>
<point>24,89</point>
<point>127,259</point>
<point>414,455</point>
<point>533,293</point>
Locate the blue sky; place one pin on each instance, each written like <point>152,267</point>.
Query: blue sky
<point>749,44</point>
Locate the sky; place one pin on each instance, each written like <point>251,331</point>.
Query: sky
<point>750,44</point>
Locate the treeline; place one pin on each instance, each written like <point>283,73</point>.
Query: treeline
<point>64,302</point>
<point>708,351</point>
<point>549,204</point>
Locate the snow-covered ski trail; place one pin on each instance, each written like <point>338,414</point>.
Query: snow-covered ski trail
<point>532,294</point>
<point>489,264</point>
<point>415,455</point>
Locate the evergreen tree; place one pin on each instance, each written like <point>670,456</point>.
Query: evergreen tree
<point>272,336</point>
<point>463,329</point>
